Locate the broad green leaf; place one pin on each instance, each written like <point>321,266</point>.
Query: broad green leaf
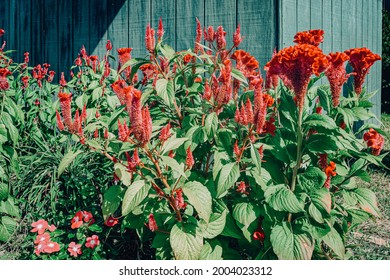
<point>172,163</point>
<point>97,93</point>
<point>67,160</point>
<point>256,159</point>
<point>358,165</point>
<point>367,201</point>
<point>281,198</point>
<point>215,226</point>
<point>291,246</point>
<point>111,200</point>
<point>315,213</point>
<point>245,213</point>
<point>334,241</point>
<point>164,90</point>
<point>226,178</point>
<point>319,122</point>
<point>210,253</point>
<point>312,178</point>
<point>8,207</point>
<point>167,51</point>
<point>172,144</point>
<point>324,99</point>
<point>322,200</point>
<point>12,130</point>
<point>122,173</point>
<point>7,228</point>
<point>199,197</point>
<point>3,191</point>
<point>186,242</point>
<point>237,74</point>
<point>323,143</point>
<point>231,229</point>
<point>134,195</point>
<point>3,134</point>
<point>211,125</point>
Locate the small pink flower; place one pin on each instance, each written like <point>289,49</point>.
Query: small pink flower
<point>92,242</point>
<point>39,226</point>
<point>111,221</point>
<point>51,247</point>
<point>42,238</point>
<point>74,249</point>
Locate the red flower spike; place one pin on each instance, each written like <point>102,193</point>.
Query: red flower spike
<point>179,199</point>
<point>106,133</point>
<point>220,37</point>
<point>118,87</point>
<point>83,116</point>
<point>165,133</point>
<point>160,30</point>
<point>323,161</point>
<point>189,158</point>
<point>92,242</point>
<point>310,37</point>
<point>96,133</point>
<point>361,60</point>
<point>124,55</point>
<point>77,123</point>
<point>108,45</point>
<point>249,111</point>
<point>295,65</point>
<point>74,249</point>
<point>149,39</point>
<point>78,61</point>
<point>319,110</point>
<point>237,38</point>
<point>374,140</point>
<point>261,151</point>
<point>336,75</point>
<point>152,225</point>
<point>62,80</point>
<point>136,115</point>
<point>65,100</point>
<point>26,57</point>
<point>198,38</point>
<point>207,91</point>
<point>236,149</point>
<point>224,94</point>
<point>146,126</point>
<point>237,116</point>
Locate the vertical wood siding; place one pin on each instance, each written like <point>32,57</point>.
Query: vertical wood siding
<point>54,31</point>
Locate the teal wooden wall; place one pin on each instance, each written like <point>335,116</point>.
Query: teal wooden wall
<point>54,31</point>
<point>347,24</point>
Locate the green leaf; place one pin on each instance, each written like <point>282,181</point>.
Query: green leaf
<point>215,226</point>
<point>281,198</point>
<point>3,191</point>
<point>8,207</point>
<point>199,197</point>
<point>312,178</point>
<point>324,99</point>
<point>367,201</point>
<point>97,93</point>
<point>167,51</point>
<point>237,74</point>
<point>172,144</point>
<point>322,143</point>
<point>322,199</point>
<point>122,173</point>
<point>134,195</point>
<point>334,241</point>
<point>3,134</point>
<point>231,229</point>
<point>7,228</point>
<point>172,163</point>
<point>256,159</point>
<point>315,214</point>
<point>186,242</point>
<point>290,246</point>
<point>67,160</point>
<point>226,178</point>
<point>164,90</point>
<point>211,125</point>
<point>320,122</point>
<point>12,130</point>
<point>210,253</point>
<point>95,228</point>
<point>111,200</point>
<point>245,213</point>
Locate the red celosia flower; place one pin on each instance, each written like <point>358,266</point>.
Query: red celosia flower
<point>146,126</point>
<point>189,158</point>
<point>237,38</point>
<point>160,30</point>
<point>179,199</point>
<point>187,58</point>
<point>51,247</point>
<point>336,74</point>
<point>106,133</point>
<point>136,114</point>
<point>51,76</point>
<point>207,91</point>
<point>296,64</point>
<point>4,72</point>
<point>246,63</point>
<point>149,71</point>
<point>152,225</point>
<point>123,131</point>
<point>329,171</point>
<point>149,39</point>
<point>241,188</point>
<point>25,80</point>
<point>220,37</point>
<point>124,55</point>
<point>65,100</point>
<point>198,38</point>
<point>92,242</point>
<point>111,221</point>
<point>224,92</point>
<point>39,226</point>
<point>118,87</point>
<point>60,124</point>
<point>74,249</point>
<point>374,140</point>
<point>77,220</point>
<point>310,37</point>
<point>261,151</point>
<point>323,161</point>
<point>26,57</point>
<point>361,60</point>
<point>108,45</point>
<point>95,61</point>
<point>269,126</point>
<point>62,80</point>
<point>78,61</point>
<point>236,149</point>
<point>209,34</point>
<point>165,133</point>
<point>42,238</point>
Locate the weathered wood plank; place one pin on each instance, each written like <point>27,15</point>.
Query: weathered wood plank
<point>65,37</point>
<point>327,25</point>
<point>24,25</point>
<point>80,26</point>
<point>12,33</point>
<point>316,14</point>
<point>139,17</point>
<point>118,24</point>
<point>186,14</point>
<point>337,26</point>
<point>166,9</point>
<point>37,47</point>
<point>288,22</point>
<point>258,27</point>
<point>222,13</point>
<point>303,15</point>
<point>348,24</point>
<point>4,19</point>
<point>98,26</point>
<point>51,38</point>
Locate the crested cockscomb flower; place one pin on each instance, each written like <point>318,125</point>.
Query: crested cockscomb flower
<point>237,38</point>
<point>271,80</point>
<point>165,133</point>
<point>296,64</point>
<point>374,140</point>
<point>310,37</point>
<point>152,225</point>
<point>330,172</point>
<point>336,75</point>
<point>361,60</point>
<point>160,30</point>
<point>4,72</point>
<point>149,71</point>
<point>189,158</point>
<point>220,38</point>
<point>149,39</point>
<point>124,55</point>
<point>118,87</point>
<point>198,38</point>
<point>246,63</point>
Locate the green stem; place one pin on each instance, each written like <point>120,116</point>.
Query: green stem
<point>299,156</point>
